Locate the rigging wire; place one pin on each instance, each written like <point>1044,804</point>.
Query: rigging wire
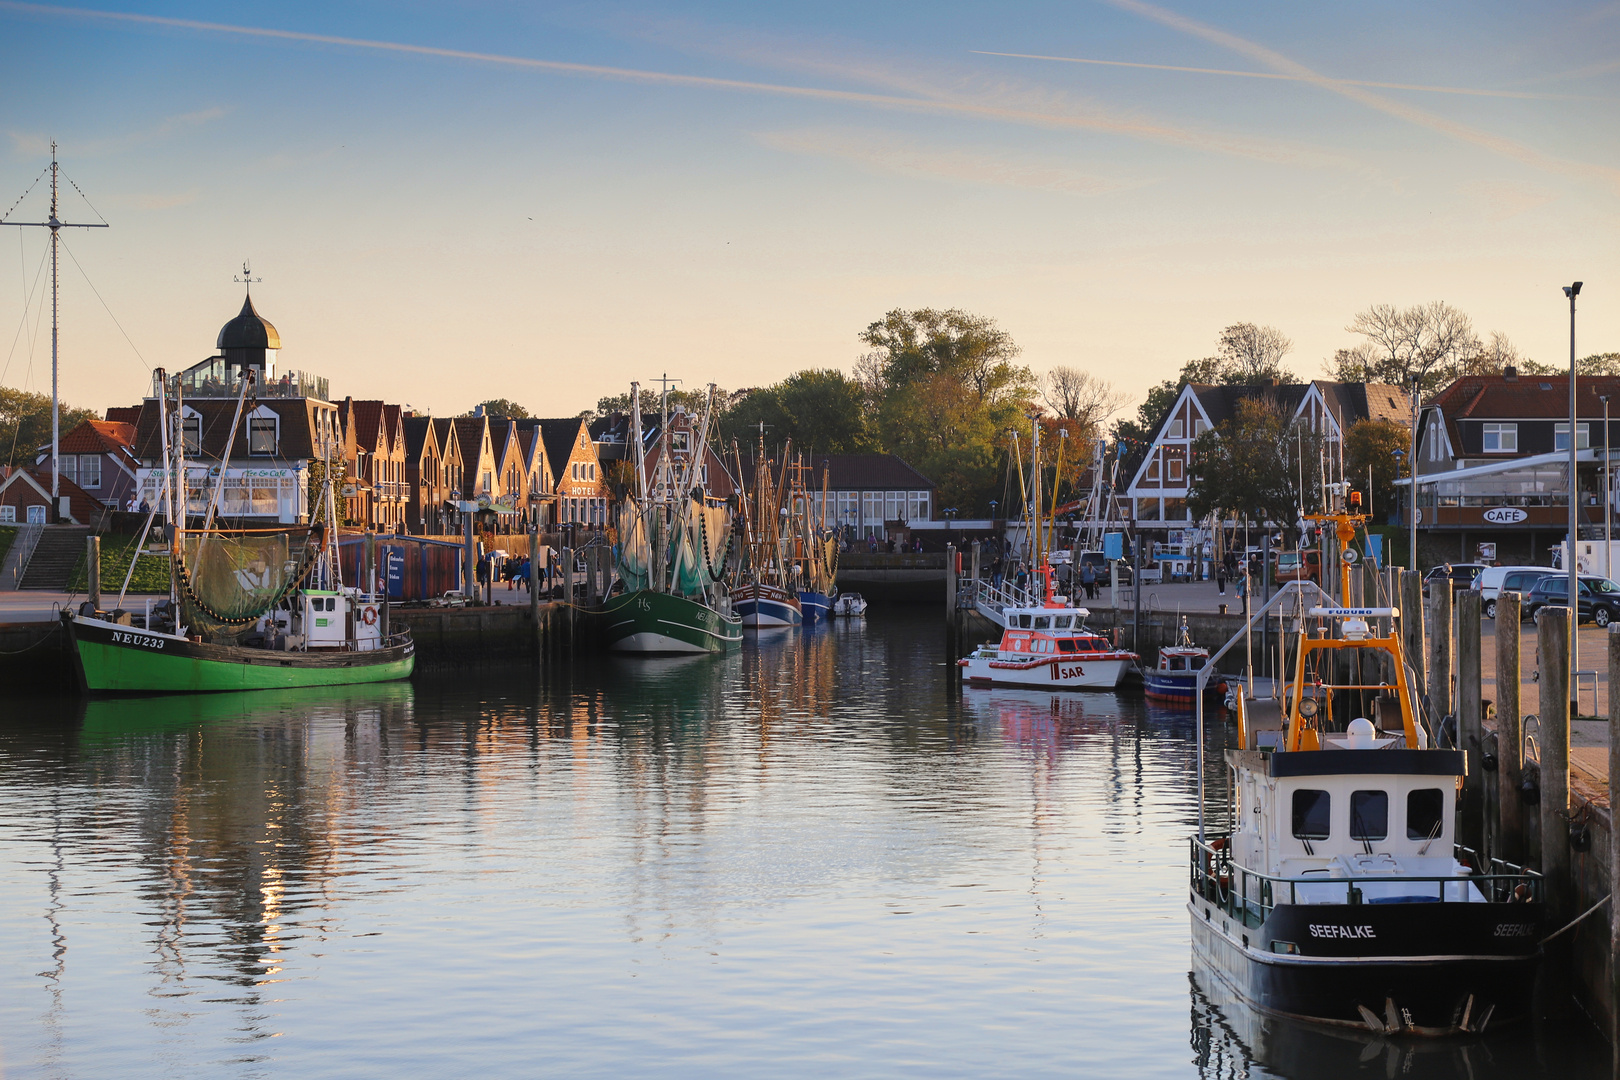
<point>31,187</point>
<point>28,302</point>
<point>82,195</point>
<point>144,365</point>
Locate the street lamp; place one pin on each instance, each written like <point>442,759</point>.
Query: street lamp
<point>1412,523</point>
<point>1572,291</point>
<point>1608,512</point>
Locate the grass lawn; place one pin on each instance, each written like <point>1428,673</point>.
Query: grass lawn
<point>151,572</point>
<point>8,533</point>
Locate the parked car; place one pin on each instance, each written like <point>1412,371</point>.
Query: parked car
<point>1493,581</point>
<point>1462,575</point>
<point>1599,599</point>
<point>1303,565</point>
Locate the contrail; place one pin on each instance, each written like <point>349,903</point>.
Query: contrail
<point>1288,78</point>
<point>1157,132</point>
<point>1508,148</point>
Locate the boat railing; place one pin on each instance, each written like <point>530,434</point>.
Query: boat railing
<point>1250,895</point>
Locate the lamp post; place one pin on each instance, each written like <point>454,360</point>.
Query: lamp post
<point>1572,291</point>
<point>1412,522</point>
<point>1608,511</point>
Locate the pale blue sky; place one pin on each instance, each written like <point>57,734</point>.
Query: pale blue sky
<point>731,192</point>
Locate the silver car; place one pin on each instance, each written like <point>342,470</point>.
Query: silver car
<point>1495,580</point>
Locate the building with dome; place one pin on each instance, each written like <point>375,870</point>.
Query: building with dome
<point>288,422</point>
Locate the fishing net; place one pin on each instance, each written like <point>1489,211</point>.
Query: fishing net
<point>635,552</point>
<point>228,580</point>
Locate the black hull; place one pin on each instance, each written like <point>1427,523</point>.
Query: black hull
<point>1440,969</point>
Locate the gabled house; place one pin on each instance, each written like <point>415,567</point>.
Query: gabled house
<point>542,502</point>
<point>581,491</point>
<point>25,499</point>
<point>1493,463</point>
<point>99,456</point>
<point>426,482</point>
<point>1158,490</point>
<point>374,452</point>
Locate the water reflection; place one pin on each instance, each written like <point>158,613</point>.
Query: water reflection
<point>816,854</point>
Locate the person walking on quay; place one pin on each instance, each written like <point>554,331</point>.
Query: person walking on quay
<point>1088,580</point>
<point>1220,576</point>
<point>483,575</point>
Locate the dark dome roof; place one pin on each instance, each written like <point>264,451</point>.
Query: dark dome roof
<point>249,330</point>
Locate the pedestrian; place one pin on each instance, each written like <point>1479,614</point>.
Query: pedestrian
<point>1220,576</point>
<point>995,572</point>
<point>1021,578</point>
<point>1088,580</point>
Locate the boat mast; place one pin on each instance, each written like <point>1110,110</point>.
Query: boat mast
<point>56,225</point>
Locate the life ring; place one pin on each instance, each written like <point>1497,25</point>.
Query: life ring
<point>368,616</point>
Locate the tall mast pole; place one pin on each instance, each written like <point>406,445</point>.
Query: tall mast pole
<point>55,224</point>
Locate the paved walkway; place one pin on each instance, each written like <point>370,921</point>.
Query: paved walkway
<point>39,605</point>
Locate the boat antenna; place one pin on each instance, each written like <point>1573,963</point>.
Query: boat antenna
<point>56,225</point>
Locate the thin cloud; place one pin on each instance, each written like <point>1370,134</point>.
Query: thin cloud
<point>1027,111</point>
<point>32,144</point>
<point>890,153</point>
<point>1270,58</point>
<point>1288,78</point>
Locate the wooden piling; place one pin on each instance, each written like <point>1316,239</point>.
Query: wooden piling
<point>568,594</point>
<point>1441,657</point>
<point>1614,845</point>
<point>1552,662</point>
<point>1509,733</point>
<point>952,646</point>
<point>368,572</point>
<point>92,570</point>
<point>1413,644</point>
<point>1471,719</point>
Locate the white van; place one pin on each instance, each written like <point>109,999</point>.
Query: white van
<point>1495,580</point>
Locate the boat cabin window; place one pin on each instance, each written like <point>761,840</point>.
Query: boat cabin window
<point>1065,645</point>
<point>1369,815</point>
<point>1311,811</point>
<point>1425,813</point>
<point>1023,620</point>
<point>1043,622</point>
<point>1062,621</point>
<point>1178,663</point>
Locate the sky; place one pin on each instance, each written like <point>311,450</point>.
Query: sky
<point>544,201</point>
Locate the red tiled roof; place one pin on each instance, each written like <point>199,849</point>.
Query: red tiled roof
<point>1528,397</point>
<point>85,507</point>
<point>99,437</point>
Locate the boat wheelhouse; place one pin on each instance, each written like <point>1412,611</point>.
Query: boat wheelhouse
<point>1175,678</point>
<point>1338,894</point>
<point>1048,646</point>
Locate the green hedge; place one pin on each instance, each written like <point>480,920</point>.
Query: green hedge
<point>8,533</point>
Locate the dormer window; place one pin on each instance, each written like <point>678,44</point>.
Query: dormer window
<point>191,432</point>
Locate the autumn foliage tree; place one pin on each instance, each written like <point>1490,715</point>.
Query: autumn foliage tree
<point>1249,466</point>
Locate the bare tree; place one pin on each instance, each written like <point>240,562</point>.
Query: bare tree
<point>1080,396</point>
<point>1252,354</point>
<point>1429,342</point>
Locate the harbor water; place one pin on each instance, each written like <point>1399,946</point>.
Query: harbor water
<point>818,856</point>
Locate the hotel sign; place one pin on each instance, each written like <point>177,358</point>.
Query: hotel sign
<point>1505,515</point>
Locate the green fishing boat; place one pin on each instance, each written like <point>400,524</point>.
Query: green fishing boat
<point>673,554</point>
<point>247,609</point>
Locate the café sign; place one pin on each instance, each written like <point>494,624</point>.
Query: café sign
<point>1505,515</point>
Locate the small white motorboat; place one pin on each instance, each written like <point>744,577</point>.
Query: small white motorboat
<point>849,605</point>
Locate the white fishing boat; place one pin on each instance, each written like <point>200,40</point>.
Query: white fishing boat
<point>849,605</point>
<point>1337,894</point>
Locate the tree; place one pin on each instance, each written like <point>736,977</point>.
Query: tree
<point>1080,396</point>
<point>1251,354</point>
<point>1249,466</point>
<point>946,391</point>
<point>1434,343</point>
<point>504,408</point>
<point>1369,446</point>
<point>694,400</point>
<point>821,409</point>
<point>25,423</point>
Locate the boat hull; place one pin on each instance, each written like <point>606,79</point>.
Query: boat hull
<point>124,659</point>
<point>1444,969</point>
<point>1180,687</point>
<point>764,607</point>
<point>815,605</point>
<point>1048,673</point>
<point>661,624</point>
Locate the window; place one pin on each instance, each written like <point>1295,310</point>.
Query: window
<point>489,481</point>
<point>1311,812</point>
<point>1425,813</point>
<point>1583,436</point>
<point>90,471</point>
<point>680,441</point>
<point>36,515</point>
<point>1199,427</point>
<point>1369,815</point>
<point>1176,429</point>
<point>1173,468</point>
<point>1153,467</point>
<point>1501,438</point>
<point>1043,622</point>
<point>70,466</point>
<point>261,435</point>
<point>8,514</point>
<point>191,426</point>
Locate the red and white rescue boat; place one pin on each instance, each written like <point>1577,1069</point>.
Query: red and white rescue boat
<point>1048,646</point>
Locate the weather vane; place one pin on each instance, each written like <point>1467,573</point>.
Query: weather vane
<point>247,277</point>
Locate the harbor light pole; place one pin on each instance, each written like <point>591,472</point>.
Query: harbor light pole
<point>1572,291</point>
<point>1608,506</point>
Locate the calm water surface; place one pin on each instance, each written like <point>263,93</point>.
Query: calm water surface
<point>812,858</point>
